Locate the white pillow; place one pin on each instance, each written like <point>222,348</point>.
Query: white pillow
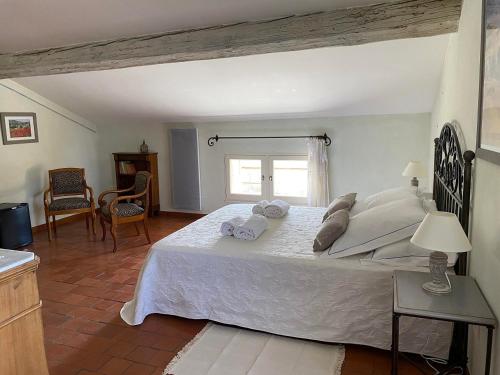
<point>358,207</point>
<point>404,253</point>
<point>379,226</point>
<point>390,195</point>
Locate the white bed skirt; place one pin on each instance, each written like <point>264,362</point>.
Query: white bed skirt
<point>339,301</point>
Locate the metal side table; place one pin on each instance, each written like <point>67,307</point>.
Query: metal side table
<point>465,304</point>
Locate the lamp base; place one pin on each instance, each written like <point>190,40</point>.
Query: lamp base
<point>434,288</point>
<point>438,264</point>
<point>414,182</point>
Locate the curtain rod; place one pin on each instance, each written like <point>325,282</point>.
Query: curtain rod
<point>328,141</point>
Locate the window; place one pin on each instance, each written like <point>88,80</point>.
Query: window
<point>289,178</point>
<point>252,178</point>
<point>245,176</point>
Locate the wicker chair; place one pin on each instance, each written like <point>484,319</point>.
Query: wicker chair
<point>127,208</point>
<point>78,197</point>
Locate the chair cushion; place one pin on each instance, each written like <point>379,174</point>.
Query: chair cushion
<point>67,182</point>
<point>141,181</point>
<point>69,204</point>
<point>124,209</point>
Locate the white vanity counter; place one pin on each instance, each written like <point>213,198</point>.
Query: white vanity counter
<point>13,258</point>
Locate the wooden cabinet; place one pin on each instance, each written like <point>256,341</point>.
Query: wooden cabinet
<point>22,350</point>
<point>127,163</point>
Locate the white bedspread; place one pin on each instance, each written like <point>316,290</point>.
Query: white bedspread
<point>276,284</point>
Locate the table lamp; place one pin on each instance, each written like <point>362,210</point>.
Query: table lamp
<point>414,169</point>
<point>442,233</point>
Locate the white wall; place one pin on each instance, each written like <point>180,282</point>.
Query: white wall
<point>458,102</point>
<point>68,140</point>
<point>368,153</point>
<point>65,140</point>
<point>127,138</point>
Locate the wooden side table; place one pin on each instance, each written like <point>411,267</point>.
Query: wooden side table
<point>465,304</point>
<point>22,350</point>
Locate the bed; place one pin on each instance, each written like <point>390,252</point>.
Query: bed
<point>277,284</point>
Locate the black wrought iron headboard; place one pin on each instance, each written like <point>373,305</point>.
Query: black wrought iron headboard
<point>452,181</point>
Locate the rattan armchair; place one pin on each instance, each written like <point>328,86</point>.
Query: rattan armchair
<point>77,197</point>
<point>123,209</point>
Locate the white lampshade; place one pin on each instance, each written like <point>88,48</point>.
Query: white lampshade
<point>414,169</point>
<point>441,231</point>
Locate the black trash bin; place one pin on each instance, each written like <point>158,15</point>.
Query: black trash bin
<point>15,225</point>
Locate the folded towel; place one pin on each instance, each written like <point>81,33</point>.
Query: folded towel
<point>258,209</point>
<point>252,228</point>
<point>276,209</point>
<point>227,227</point>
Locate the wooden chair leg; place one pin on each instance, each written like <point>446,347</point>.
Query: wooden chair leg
<point>103,225</point>
<point>49,227</point>
<point>55,225</point>
<point>94,218</point>
<point>144,222</point>
<point>113,234</point>
<point>137,229</point>
<point>87,221</point>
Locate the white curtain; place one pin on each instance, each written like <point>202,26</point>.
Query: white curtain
<point>318,194</point>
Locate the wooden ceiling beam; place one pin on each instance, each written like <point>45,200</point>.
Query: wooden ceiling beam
<point>342,27</point>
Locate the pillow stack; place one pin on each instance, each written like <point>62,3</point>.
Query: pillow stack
<point>344,202</point>
<point>390,195</point>
<point>382,224</point>
<point>379,226</point>
<point>404,253</point>
<point>333,227</point>
<point>335,222</point>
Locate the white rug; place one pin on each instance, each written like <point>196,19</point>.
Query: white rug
<point>222,350</point>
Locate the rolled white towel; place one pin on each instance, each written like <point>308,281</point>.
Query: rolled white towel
<point>258,209</point>
<point>276,209</point>
<point>227,227</point>
<point>252,228</point>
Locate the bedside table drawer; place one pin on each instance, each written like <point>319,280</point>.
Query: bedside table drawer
<point>18,293</point>
<point>21,326</point>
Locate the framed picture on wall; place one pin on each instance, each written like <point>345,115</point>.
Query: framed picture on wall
<point>488,131</point>
<point>19,127</point>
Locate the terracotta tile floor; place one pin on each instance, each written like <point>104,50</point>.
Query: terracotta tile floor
<point>83,286</point>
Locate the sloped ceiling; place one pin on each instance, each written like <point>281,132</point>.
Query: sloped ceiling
<point>400,76</point>
<point>34,24</point>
